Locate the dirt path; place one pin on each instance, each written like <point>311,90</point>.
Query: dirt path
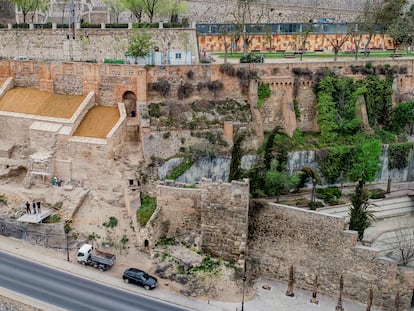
<point>35,102</point>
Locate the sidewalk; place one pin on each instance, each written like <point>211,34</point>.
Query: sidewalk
<point>273,298</point>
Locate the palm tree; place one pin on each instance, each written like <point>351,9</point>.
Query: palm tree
<point>307,173</point>
<point>360,217</point>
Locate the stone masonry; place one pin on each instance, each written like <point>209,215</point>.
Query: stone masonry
<point>214,216</point>
<point>317,245</point>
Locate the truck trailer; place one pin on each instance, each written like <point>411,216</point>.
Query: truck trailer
<point>89,256</point>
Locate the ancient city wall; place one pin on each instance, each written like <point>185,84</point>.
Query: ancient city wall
<point>224,219</point>
<point>180,210</point>
<point>111,82</point>
<point>316,244</point>
<point>213,214</point>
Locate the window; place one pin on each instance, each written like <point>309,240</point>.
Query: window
<point>177,55</point>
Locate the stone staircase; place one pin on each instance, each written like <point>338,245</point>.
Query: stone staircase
<point>382,209</point>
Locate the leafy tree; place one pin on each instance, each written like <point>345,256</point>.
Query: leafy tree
<point>27,6</point>
<point>93,237</point>
<point>399,33</point>
<point>277,183</point>
<point>236,155</point>
<point>257,176</point>
<point>116,7</point>
<point>307,173</point>
<point>366,160</point>
<point>391,11</point>
<point>337,97</point>
<point>152,7</point>
<point>173,8</point>
<point>378,100</point>
<point>269,147</point>
<point>360,217</point>
<point>136,7</point>
<point>335,160</point>
<point>124,240</point>
<point>140,44</point>
<point>403,116</point>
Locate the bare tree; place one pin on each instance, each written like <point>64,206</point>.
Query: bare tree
<point>338,40</point>
<point>226,36</point>
<point>116,7</point>
<point>243,17</point>
<point>399,245</point>
<point>307,29</point>
<point>369,19</point>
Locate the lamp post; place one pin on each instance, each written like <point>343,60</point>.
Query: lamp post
<point>313,189</point>
<point>244,283</point>
<point>168,52</point>
<point>67,229</point>
<point>244,278</point>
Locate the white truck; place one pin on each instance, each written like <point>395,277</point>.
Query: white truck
<point>87,255</point>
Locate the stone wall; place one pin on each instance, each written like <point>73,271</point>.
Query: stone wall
<point>110,82</point>
<point>180,210</point>
<point>212,217</point>
<point>264,11</point>
<point>316,244</point>
<point>46,235</point>
<point>89,43</point>
<point>224,218</point>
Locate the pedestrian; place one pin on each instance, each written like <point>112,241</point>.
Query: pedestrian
<point>38,207</point>
<point>34,207</point>
<point>28,211</point>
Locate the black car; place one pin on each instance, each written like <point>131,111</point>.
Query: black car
<point>139,277</point>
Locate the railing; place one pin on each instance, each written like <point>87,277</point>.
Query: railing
<point>282,28</point>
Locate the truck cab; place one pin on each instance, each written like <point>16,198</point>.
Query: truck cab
<point>84,253</point>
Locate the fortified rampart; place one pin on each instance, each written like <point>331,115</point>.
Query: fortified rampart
<point>216,217</point>
<point>113,84</point>
<point>213,216</point>
<point>317,245</point>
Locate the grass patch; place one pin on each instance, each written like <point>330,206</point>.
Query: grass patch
<point>180,169</point>
<point>382,54</point>
<point>148,206</point>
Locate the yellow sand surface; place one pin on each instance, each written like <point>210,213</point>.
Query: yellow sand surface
<point>98,122</point>
<point>40,103</point>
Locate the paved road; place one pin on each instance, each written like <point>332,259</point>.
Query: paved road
<point>68,291</point>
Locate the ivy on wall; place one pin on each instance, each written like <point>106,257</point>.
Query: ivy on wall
<point>378,100</point>
<point>336,108</point>
<point>398,155</point>
<point>263,92</point>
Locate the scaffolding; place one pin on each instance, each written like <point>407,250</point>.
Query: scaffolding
<point>40,164</point>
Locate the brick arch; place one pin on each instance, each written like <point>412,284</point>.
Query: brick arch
<point>130,101</point>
